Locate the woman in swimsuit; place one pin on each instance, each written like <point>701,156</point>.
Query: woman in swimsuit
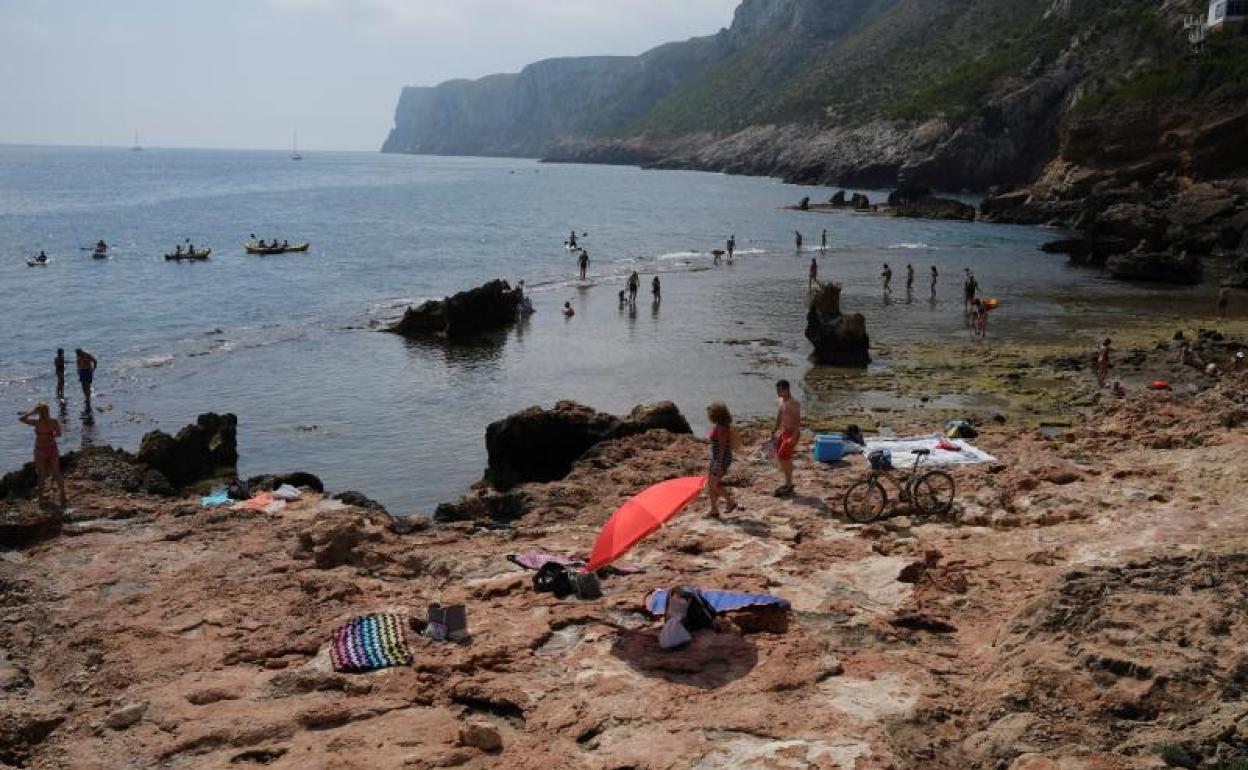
<point>47,455</point>
<point>721,457</point>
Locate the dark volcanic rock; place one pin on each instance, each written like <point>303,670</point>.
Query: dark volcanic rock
<point>909,194</point>
<point>839,340</point>
<point>197,452</point>
<point>24,523</point>
<point>1160,266</point>
<point>463,316</point>
<point>360,500</point>
<point>485,506</point>
<point>541,444</point>
<point>934,208</point>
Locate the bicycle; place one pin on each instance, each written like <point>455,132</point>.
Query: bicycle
<point>931,493</point>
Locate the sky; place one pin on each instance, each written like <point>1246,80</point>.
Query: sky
<point>249,73</point>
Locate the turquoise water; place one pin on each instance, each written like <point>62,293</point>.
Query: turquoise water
<point>288,342</point>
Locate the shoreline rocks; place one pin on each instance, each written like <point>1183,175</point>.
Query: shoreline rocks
<point>539,444</point>
<point>197,452</point>
<point>839,340</point>
<point>468,315</point>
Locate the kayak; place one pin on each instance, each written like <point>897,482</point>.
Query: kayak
<point>197,256</point>
<point>32,262</point>
<point>254,249</point>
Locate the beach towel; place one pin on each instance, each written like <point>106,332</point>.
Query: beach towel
<point>261,502</point>
<point>287,492</point>
<point>220,497</point>
<point>720,601</point>
<point>903,451</point>
<point>535,560</point>
<point>370,642</point>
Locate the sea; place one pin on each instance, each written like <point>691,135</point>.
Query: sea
<point>292,343</point>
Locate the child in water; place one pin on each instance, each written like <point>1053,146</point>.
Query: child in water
<point>721,439</point>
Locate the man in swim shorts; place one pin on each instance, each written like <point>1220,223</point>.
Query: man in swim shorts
<point>86,372</point>
<point>787,431</point>
<point>58,365</point>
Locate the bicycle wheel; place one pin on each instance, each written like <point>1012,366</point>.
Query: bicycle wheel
<point>865,501</point>
<point>933,493</point>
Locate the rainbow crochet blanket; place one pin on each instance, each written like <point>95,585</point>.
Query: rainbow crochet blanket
<point>370,642</point>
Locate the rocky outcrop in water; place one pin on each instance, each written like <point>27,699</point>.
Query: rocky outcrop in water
<point>539,444</point>
<point>206,449</point>
<point>1156,266</point>
<point>839,340</point>
<point>465,316</point>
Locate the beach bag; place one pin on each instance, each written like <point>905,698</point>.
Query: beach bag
<point>881,460</point>
<point>586,585</point>
<point>554,579</point>
<point>697,613</point>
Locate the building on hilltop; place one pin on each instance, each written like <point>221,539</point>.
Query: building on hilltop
<point>1223,12</point>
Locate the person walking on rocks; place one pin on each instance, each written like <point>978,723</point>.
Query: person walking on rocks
<point>47,454</point>
<point>58,365</point>
<point>634,283</point>
<point>1224,301</point>
<point>785,434</point>
<point>1102,363</point>
<point>86,364</point>
<point>721,439</point>
<point>814,275</point>
<point>583,261</point>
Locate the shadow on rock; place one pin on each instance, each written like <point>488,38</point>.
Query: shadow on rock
<point>709,662</point>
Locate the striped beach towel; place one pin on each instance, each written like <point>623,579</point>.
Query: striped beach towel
<point>370,642</point>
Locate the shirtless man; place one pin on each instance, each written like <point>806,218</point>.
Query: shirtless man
<point>887,275</point>
<point>797,240</point>
<point>634,283</point>
<point>732,246</point>
<point>86,364</point>
<point>935,275</point>
<point>814,274</point>
<point>823,241</point>
<point>909,280</point>
<point>58,364</point>
<point>787,431</point>
<point>583,262</point>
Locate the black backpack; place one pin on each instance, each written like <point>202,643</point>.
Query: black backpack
<point>699,615</point>
<point>553,578</point>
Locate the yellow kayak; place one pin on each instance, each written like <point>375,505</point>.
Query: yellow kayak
<point>279,249</point>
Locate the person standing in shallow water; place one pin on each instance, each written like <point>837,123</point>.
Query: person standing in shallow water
<point>634,283</point>
<point>656,289</point>
<point>721,440</point>
<point>797,239</point>
<point>732,245</point>
<point>814,274</point>
<point>583,261</point>
<point>935,276</point>
<point>887,275</point>
<point>786,432</point>
<point>909,280</point>
<point>58,365</point>
<point>86,365</point>
<point>823,240</point>
<point>47,454</point>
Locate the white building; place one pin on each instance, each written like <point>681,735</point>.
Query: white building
<point>1222,12</point>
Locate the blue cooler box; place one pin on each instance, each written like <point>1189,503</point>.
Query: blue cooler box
<point>829,447</point>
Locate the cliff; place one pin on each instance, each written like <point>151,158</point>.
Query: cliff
<point>966,94</point>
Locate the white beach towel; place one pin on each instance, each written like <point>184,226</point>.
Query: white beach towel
<point>903,451</point>
<point>286,492</point>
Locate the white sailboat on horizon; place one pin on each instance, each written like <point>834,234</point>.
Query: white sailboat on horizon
<point>136,147</point>
<point>294,153</point>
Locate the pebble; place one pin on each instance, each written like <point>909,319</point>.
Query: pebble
<point>482,736</point>
<point>126,716</point>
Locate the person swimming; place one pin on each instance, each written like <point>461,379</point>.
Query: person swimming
<point>568,312</point>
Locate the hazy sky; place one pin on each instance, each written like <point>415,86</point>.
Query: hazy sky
<point>239,73</point>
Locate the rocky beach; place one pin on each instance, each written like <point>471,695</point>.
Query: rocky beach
<point>1080,608</point>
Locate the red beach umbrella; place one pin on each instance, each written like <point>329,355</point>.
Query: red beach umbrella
<point>641,515</point>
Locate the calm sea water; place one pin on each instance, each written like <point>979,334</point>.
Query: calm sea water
<point>289,343</point>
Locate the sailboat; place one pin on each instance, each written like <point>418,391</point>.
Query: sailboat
<point>294,153</point>
<point>136,147</point>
